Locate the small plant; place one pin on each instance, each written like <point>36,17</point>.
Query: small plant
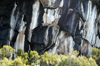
<point>19,52</point>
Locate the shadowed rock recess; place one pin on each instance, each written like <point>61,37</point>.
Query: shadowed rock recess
<point>55,26</point>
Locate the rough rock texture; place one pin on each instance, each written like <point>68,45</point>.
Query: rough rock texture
<point>56,26</point>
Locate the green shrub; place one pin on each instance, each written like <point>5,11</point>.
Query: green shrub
<point>62,60</point>
<point>25,58</point>
<point>6,51</point>
<point>48,59</point>
<point>73,60</point>
<point>33,59</point>
<point>5,62</point>
<point>96,55</point>
<point>18,62</point>
<point>19,52</point>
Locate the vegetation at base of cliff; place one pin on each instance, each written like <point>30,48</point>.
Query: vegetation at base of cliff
<point>6,51</point>
<point>34,59</point>
<point>96,55</point>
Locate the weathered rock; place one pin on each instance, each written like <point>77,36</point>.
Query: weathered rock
<point>5,28</point>
<point>95,1</point>
<point>51,3</point>
<point>70,17</point>
<point>90,24</point>
<point>50,16</point>
<point>97,42</point>
<point>4,36</point>
<point>64,44</point>
<point>86,48</point>
<point>44,37</point>
<point>56,26</point>
<point>5,12</point>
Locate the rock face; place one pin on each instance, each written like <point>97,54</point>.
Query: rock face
<point>56,26</point>
<point>51,3</point>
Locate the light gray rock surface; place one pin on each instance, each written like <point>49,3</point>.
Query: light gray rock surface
<point>56,26</point>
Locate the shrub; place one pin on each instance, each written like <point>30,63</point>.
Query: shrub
<point>5,62</point>
<point>73,60</point>
<point>48,59</point>
<point>6,51</point>
<point>62,60</point>
<point>33,59</point>
<point>19,52</point>
<point>18,62</point>
<point>96,55</point>
<point>25,58</point>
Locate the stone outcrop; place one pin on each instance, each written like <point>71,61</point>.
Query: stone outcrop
<point>56,26</point>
